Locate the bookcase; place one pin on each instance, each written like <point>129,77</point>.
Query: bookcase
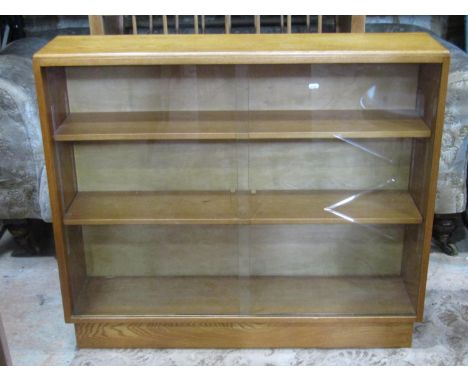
<point>242,190</point>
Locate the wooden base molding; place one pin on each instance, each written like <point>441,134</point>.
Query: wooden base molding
<point>258,334</point>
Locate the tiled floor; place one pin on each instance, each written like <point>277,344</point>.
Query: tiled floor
<point>30,306</point>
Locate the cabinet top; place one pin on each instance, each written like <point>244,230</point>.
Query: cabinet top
<point>241,49</point>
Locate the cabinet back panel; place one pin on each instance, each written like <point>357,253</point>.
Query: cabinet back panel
<point>242,87</point>
<point>286,250</point>
<point>156,166</point>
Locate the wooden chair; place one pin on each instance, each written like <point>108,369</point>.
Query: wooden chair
<point>203,24</point>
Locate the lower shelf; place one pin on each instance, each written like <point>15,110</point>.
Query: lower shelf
<point>129,297</point>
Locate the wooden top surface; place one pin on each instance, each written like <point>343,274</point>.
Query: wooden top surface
<point>241,49</point>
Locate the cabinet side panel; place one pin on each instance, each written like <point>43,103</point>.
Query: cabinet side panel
<point>423,180</point>
<point>52,98</point>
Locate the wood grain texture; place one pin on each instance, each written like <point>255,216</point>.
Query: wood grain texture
<point>269,296</point>
<point>256,334</point>
<point>234,125</point>
<point>282,207</point>
<point>241,49</point>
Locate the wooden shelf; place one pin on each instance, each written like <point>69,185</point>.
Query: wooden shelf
<point>275,207</point>
<point>232,125</point>
<point>273,295</point>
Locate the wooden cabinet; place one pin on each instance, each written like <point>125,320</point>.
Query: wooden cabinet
<point>242,190</point>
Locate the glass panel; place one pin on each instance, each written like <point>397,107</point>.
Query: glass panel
<point>160,270</point>
<point>243,189</point>
<point>156,160</point>
<point>330,153</point>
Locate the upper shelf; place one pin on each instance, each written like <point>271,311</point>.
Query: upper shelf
<point>263,207</point>
<point>241,49</point>
<point>232,125</point>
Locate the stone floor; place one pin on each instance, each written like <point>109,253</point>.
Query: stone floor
<point>30,306</point>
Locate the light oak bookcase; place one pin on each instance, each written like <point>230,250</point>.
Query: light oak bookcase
<point>242,190</point>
